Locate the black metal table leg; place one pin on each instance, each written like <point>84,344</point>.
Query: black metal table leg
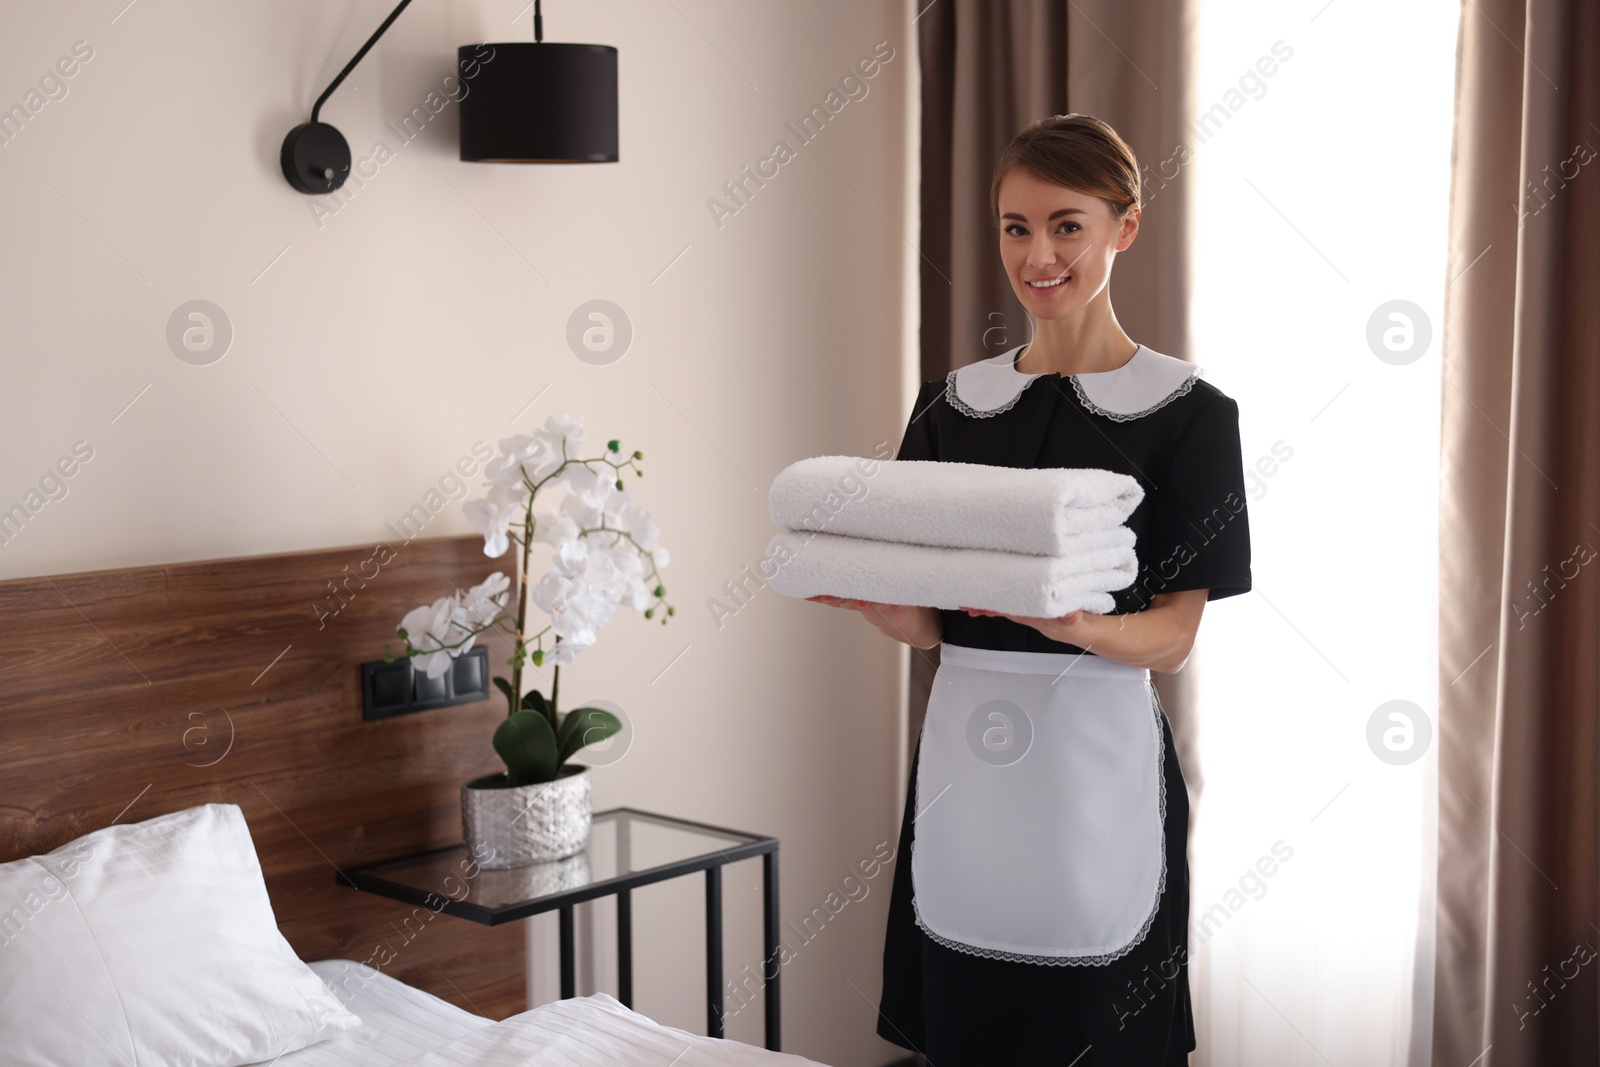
<point>714,951</point>
<point>625,948</point>
<point>769,944</point>
<point>569,980</point>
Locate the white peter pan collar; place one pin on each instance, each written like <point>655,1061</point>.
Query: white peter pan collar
<point>1149,380</point>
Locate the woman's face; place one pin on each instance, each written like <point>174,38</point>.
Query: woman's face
<point>1052,234</point>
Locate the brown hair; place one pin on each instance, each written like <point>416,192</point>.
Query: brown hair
<point>1077,151</point>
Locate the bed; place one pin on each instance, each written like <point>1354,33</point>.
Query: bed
<point>234,685</point>
<point>402,1024</point>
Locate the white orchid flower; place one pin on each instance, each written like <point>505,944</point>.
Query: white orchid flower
<point>492,588</point>
<point>484,601</point>
<point>573,627</point>
<point>532,457</point>
<point>617,506</point>
<point>638,595</point>
<point>429,620</point>
<point>461,625</point>
<point>640,526</point>
<point>555,529</point>
<point>588,482</point>
<point>550,593</point>
<point>563,429</point>
<point>605,546</point>
<point>631,587</point>
<point>583,510</point>
<point>494,515</point>
<point>429,628</point>
<point>493,523</point>
<point>602,611</point>
<point>605,574</point>
<point>506,468</point>
<point>629,563</point>
<point>572,558</point>
<point>433,664</point>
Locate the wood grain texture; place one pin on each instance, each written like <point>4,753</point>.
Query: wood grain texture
<point>127,694</point>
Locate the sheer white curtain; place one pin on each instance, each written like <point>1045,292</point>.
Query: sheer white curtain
<point>1321,155</point>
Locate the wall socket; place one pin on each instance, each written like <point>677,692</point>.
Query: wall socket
<point>390,689</point>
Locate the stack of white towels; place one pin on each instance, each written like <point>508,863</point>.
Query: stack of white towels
<point>1020,541</point>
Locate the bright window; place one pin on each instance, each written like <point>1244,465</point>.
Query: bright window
<point>1320,157</point>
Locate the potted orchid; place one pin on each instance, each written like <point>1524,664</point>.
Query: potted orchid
<point>605,552</point>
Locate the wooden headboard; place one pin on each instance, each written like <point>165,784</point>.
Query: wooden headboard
<point>126,694</point>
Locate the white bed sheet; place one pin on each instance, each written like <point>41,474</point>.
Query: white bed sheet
<point>595,1031</point>
<point>402,1025</point>
<point>398,1021</point>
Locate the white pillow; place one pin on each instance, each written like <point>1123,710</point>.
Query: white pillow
<point>153,943</point>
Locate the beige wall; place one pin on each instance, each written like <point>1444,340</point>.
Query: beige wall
<point>374,342</point>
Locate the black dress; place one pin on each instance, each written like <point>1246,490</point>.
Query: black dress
<point>1182,443</point>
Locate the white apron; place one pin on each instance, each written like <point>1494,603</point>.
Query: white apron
<point>1039,808</point>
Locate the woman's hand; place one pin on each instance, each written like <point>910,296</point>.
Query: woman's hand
<point>1159,637</point>
<point>917,626</point>
<point>1071,628</point>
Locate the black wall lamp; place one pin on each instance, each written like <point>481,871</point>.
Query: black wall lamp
<point>524,102</point>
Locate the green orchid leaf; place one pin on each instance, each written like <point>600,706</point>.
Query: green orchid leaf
<point>584,726</point>
<point>533,700</point>
<point>505,687</point>
<point>528,746</point>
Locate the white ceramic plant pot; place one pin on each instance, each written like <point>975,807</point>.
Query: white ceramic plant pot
<point>519,825</point>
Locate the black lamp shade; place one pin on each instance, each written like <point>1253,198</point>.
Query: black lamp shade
<point>537,102</point>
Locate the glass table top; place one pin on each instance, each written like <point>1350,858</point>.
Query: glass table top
<point>626,848</point>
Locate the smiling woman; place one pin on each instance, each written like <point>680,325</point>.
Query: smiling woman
<point>1069,212</point>
<point>1046,815</point>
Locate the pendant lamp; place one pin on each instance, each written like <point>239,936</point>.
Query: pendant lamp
<point>540,103</point>
<point>522,102</point>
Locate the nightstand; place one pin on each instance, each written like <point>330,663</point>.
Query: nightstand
<point>627,849</point>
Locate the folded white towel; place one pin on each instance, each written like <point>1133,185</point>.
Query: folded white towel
<point>957,505</point>
<point>939,577</point>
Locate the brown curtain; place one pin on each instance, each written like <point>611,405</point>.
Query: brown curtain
<point>1518,890</point>
<point>990,67</point>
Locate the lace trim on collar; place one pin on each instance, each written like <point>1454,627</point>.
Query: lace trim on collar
<point>1118,416</point>
<point>1148,382</point>
<point>953,394</point>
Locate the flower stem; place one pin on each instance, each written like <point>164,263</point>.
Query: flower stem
<point>555,687</point>
<point>521,648</point>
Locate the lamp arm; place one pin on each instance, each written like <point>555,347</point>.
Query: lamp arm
<point>348,67</point>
